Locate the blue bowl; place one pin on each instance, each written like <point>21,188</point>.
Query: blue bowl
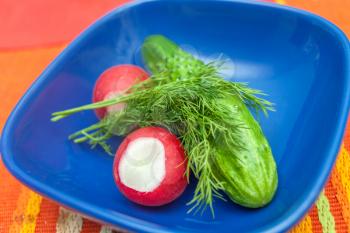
<point>299,59</point>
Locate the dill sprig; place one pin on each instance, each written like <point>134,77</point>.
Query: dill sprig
<point>182,97</point>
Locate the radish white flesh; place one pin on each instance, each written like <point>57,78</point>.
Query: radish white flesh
<point>142,166</point>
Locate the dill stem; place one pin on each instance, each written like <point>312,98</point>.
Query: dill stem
<point>85,138</point>
<point>87,129</point>
<point>62,114</point>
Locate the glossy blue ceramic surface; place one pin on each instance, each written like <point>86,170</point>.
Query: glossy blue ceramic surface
<point>299,59</point>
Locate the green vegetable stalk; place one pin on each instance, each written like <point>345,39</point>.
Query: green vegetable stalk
<point>225,146</point>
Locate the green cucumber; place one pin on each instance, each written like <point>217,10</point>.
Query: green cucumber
<point>248,174</point>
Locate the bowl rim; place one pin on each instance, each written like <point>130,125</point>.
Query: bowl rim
<point>121,220</point>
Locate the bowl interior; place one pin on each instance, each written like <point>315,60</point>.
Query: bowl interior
<point>296,58</point>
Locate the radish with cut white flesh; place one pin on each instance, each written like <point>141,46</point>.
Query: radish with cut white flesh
<point>115,81</point>
<point>149,167</point>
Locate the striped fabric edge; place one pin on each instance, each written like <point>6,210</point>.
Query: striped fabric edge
<point>71,222</point>
<point>324,214</point>
<point>340,182</point>
<point>68,221</point>
<point>47,218</point>
<point>316,224</point>
<point>335,207</point>
<point>26,213</point>
<point>340,179</point>
<point>106,229</point>
<point>304,226</point>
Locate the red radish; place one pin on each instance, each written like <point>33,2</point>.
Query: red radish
<point>115,81</point>
<point>149,167</point>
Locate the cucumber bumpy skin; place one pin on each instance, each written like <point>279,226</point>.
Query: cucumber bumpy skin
<point>248,173</point>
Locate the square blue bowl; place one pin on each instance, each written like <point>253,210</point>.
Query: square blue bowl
<point>299,59</point>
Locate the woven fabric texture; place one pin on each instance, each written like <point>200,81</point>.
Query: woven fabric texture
<point>27,48</point>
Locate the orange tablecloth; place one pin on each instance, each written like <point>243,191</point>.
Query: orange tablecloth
<point>33,32</point>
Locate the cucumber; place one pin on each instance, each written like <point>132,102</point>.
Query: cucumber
<point>248,173</point>
<point>156,49</point>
